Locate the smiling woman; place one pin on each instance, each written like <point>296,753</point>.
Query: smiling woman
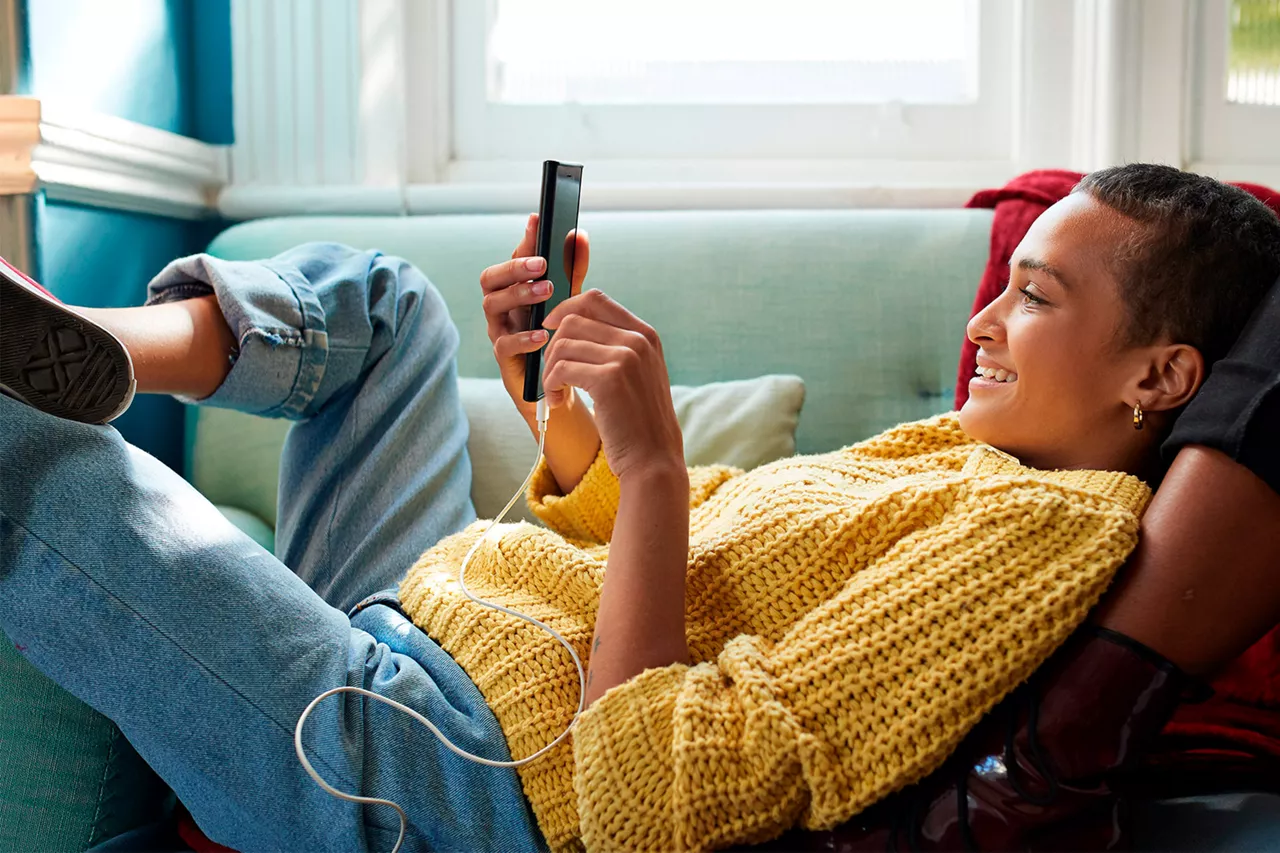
<point>1108,319</point>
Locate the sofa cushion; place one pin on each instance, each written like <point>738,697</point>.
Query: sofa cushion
<point>744,423</point>
<point>68,777</point>
<point>235,458</point>
<point>258,529</point>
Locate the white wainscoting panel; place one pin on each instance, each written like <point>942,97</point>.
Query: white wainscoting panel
<point>103,161</point>
<point>296,74</point>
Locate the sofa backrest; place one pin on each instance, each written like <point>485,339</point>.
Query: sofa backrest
<point>868,306</point>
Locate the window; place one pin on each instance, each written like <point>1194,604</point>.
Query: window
<point>794,89</point>
<point>449,105</point>
<point>1253,60</point>
<point>725,52</point>
<point>1236,102</point>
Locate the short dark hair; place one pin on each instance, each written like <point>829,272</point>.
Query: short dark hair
<point>1207,255</point>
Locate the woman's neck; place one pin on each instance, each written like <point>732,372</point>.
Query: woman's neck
<point>1139,456</point>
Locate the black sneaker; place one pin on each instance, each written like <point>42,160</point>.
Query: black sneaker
<point>56,360</point>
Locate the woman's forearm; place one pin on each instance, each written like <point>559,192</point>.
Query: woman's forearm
<point>572,441</point>
<point>640,623</point>
<point>1202,585</point>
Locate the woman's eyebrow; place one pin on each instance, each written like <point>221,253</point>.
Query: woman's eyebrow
<point>1047,269</point>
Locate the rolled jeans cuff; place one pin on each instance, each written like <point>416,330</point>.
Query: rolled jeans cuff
<point>1237,411</point>
<point>278,322</point>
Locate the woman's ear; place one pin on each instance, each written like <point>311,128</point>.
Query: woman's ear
<point>1175,374</point>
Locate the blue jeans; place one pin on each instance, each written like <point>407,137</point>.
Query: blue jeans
<point>130,590</point>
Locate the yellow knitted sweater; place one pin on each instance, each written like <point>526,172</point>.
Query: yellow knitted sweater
<point>850,616</point>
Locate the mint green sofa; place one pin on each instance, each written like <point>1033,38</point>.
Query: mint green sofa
<point>868,307</point>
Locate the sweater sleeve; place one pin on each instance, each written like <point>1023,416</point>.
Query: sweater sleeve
<point>690,758</point>
<point>588,512</point>
<point>869,691</point>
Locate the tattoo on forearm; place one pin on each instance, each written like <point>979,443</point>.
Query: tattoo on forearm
<point>595,647</point>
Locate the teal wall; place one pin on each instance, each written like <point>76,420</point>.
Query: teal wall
<point>163,63</point>
<point>211,75</point>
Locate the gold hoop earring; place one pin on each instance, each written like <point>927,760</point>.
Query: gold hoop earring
<point>1138,417</point>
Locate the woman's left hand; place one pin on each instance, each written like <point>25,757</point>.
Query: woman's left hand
<point>615,357</point>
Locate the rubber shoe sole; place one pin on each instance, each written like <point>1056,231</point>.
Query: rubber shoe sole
<point>60,362</point>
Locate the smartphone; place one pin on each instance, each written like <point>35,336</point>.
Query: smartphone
<point>557,240</point>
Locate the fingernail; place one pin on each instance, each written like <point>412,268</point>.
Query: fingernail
<point>541,288</point>
<point>538,336</point>
<point>534,264</point>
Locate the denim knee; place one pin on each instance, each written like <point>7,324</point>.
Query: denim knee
<point>312,322</point>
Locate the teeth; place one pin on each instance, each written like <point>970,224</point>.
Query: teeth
<point>997,374</point>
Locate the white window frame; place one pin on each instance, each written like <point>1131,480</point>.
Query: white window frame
<point>344,106</point>
<point>1095,82</point>
<point>392,124</point>
<point>485,132</point>
<point>1230,141</point>
<point>805,164</point>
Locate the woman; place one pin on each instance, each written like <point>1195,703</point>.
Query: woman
<point>779,647</point>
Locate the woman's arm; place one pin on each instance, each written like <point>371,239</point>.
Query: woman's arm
<point>573,442</point>
<point>640,623</point>
<point>1204,582</point>
<point>606,350</point>
<point>509,289</point>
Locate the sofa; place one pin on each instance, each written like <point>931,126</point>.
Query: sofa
<point>867,308</point>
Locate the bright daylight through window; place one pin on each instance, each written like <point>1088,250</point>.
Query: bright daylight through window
<point>1253,75</point>
<point>734,52</point>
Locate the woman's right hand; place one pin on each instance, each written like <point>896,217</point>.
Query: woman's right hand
<point>509,289</point>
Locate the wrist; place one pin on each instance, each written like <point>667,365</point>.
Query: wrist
<point>529,411</point>
<point>665,472</point>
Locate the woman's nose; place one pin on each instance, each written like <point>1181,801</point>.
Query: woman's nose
<point>986,325</point>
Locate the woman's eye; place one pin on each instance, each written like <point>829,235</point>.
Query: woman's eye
<point>1029,298</point>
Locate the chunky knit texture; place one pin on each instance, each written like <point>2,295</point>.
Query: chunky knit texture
<point>850,616</point>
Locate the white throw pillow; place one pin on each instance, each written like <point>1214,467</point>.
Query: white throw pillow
<point>743,423</point>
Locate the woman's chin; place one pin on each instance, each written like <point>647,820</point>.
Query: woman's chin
<point>983,422</point>
<point>973,419</point>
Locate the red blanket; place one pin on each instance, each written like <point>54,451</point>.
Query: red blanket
<point>1243,716</point>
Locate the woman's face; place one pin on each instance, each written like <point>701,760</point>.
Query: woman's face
<point>1055,337</point>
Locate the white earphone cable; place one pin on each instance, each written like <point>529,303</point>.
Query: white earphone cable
<point>542,416</point>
